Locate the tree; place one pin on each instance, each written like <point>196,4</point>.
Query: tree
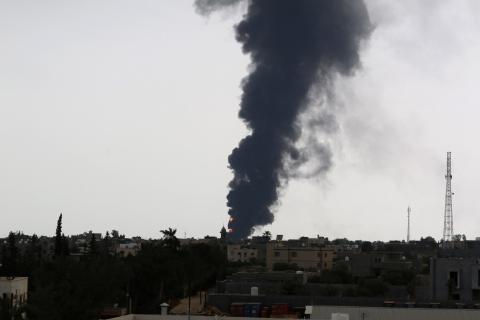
<point>170,239</point>
<point>115,234</point>
<point>366,246</point>
<point>10,256</point>
<point>58,238</point>
<point>92,246</point>
<point>267,234</point>
<point>33,254</point>
<point>107,244</point>
<point>3,261</point>
<point>65,246</point>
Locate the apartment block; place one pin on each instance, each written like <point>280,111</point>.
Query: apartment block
<point>305,257</point>
<point>239,253</point>
<point>454,278</point>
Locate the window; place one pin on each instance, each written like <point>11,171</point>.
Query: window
<point>293,254</point>
<point>454,279</point>
<point>476,294</point>
<point>277,254</point>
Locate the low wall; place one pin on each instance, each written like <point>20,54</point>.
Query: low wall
<point>375,313</point>
<point>127,317</point>
<point>182,317</point>
<point>223,301</point>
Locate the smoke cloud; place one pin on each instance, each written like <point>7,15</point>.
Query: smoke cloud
<point>296,47</point>
<point>205,7</point>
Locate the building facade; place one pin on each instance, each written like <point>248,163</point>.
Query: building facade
<point>15,289</point>
<point>127,249</point>
<point>454,278</point>
<point>303,256</point>
<point>239,253</point>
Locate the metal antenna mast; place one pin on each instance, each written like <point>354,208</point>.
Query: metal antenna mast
<point>448,220</point>
<point>408,228</point>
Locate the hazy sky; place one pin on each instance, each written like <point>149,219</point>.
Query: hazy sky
<point>121,114</point>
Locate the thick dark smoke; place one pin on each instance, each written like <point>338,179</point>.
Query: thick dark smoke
<point>296,47</point>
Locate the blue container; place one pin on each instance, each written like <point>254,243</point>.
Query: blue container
<point>252,310</point>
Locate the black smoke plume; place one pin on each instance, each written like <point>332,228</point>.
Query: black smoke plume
<point>296,47</point>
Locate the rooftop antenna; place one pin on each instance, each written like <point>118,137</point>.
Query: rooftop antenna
<point>408,226</point>
<point>448,216</point>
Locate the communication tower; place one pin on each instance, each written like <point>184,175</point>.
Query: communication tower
<point>408,227</point>
<point>448,219</point>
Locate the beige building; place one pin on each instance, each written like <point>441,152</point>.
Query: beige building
<point>15,289</point>
<point>304,257</point>
<point>238,253</point>
<point>127,249</point>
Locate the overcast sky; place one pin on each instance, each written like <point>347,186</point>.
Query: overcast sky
<point>121,114</point>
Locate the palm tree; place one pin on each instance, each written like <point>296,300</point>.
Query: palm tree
<point>170,239</point>
<point>267,234</point>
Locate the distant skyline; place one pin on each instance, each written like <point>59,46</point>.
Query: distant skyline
<point>104,104</point>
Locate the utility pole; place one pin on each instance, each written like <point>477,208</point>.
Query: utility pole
<point>408,226</point>
<point>448,216</point>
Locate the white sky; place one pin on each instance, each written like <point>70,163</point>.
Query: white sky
<point>121,115</point>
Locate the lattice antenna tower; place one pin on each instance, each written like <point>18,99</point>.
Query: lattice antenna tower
<point>408,226</point>
<point>448,219</point>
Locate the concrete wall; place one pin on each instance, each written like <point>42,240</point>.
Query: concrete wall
<point>18,287</point>
<point>468,270</point>
<point>127,317</point>
<point>304,257</point>
<point>182,317</point>
<point>238,253</point>
<point>374,313</point>
<point>223,301</point>
<point>355,313</point>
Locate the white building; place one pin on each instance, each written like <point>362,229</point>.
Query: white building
<point>15,289</point>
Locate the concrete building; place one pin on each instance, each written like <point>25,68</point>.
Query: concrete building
<point>239,253</point>
<point>353,248</point>
<point>373,264</point>
<point>15,289</point>
<point>454,278</point>
<point>127,249</point>
<point>266,282</point>
<point>260,243</point>
<point>304,256</point>
<point>208,240</point>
